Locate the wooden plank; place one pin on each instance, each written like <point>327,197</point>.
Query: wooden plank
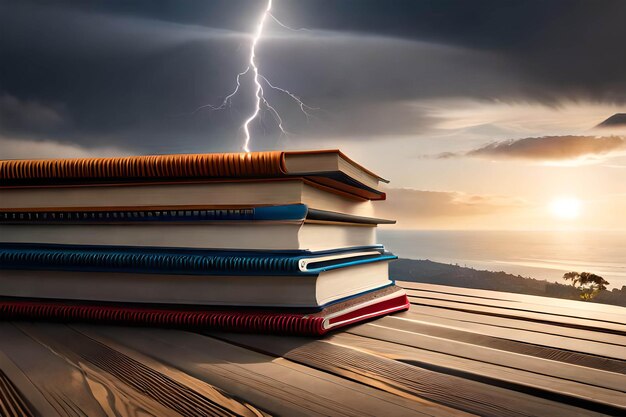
<point>12,404</point>
<point>525,315</point>
<point>201,387</point>
<point>471,396</point>
<point>71,388</point>
<point>523,298</point>
<point>153,386</point>
<point>600,316</point>
<point>37,404</point>
<point>277,385</point>
<point>525,336</point>
<point>425,312</point>
<point>563,370</point>
<point>545,386</point>
<point>576,358</point>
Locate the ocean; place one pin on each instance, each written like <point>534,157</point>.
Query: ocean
<point>541,255</point>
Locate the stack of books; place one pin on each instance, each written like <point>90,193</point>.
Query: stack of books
<point>280,242</point>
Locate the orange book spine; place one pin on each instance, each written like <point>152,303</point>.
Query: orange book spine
<point>224,165</point>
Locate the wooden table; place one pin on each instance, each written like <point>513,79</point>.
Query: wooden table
<point>456,352</point>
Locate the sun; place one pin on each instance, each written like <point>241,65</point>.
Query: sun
<point>567,208</point>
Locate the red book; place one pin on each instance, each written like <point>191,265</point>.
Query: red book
<point>278,321</point>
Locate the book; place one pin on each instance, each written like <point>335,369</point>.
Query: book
<point>182,196</point>
<point>185,261</point>
<point>315,322</point>
<point>156,275</point>
<point>329,168</point>
<point>142,215</point>
<point>263,241</point>
<point>271,227</point>
<point>268,235</point>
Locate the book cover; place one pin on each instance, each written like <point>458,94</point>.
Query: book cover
<point>269,321</point>
<point>326,168</point>
<point>178,214</point>
<point>153,260</point>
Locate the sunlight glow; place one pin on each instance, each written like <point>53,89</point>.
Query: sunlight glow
<point>567,208</point>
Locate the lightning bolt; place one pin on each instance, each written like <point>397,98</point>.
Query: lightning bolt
<point>258,93</point>
<point>259,80</point>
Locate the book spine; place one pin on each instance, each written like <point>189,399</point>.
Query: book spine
<point>150,263</point>
<point>86,170</point>
<point>127,260</point>
<point>258,322</point>
<point>292,212</point>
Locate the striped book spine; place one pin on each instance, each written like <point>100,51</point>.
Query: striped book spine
<point>231,321</point>
<point>137,260</point>
<point>151,167</point>
<point>257,322</point>
<point>292,212</point>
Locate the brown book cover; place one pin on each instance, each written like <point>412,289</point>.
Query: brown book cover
<point>315,166</point>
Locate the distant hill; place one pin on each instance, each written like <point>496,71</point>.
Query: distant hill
<point>458,276</point>
<point>617,120</point>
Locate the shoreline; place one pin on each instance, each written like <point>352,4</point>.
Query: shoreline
<point>430,272</point>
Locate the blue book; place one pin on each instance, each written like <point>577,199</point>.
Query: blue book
<point>281,227</point>
<point>152,260</point>
<point>288,212</point>
<point>191,277</point>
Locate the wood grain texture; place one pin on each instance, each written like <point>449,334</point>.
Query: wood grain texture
<point>81,376</point>
<point>506,345</point>
<point>520,298</point>
<point>523,336</point>
<point>208,391</point>
<point>467,395</point>
<point>37,403</point>
<point>611,400</point>
<point>12,403</point>
<point>277,385</point>
<point>70,388</point>
<point>600,316</point>
<point>462,318</point>
<point>573,322</point>
<point>152,384</point>
<point>456,352</point>
<point>490,355</point>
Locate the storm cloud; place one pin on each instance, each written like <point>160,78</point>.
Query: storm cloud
<point>131,74</point>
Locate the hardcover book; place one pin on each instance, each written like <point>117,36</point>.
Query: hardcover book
<point>314,322</point>
<point>266,227</point>
<point>278,242</point>
<point>327,168</point>
<point>201,277</point>
<point>195,195</point>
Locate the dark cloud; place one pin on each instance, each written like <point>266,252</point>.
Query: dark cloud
<point>24,148</point>
<point>547,148</point>
<point>131,73</point>
<point>226,14</point>
<point>560,47</point>
<point>136,81</point>
<point>16,114</point>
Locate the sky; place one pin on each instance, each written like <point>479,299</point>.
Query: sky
<point>482,114</point>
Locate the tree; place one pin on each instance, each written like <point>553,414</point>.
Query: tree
<point>587,283</point>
